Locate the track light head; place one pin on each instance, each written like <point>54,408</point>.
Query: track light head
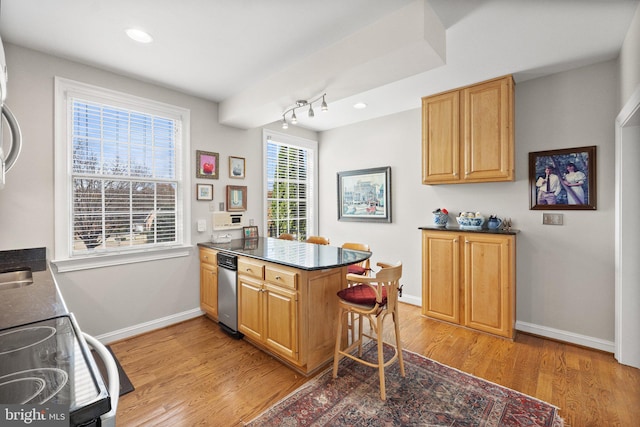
<point>303,103</point>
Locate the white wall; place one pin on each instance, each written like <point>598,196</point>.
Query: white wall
<point>630,60</point>
<point>112,299</point>
<point>565,273</point>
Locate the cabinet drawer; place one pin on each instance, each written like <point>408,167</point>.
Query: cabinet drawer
<point>248,267</point>
<point>208,256</point>
<point>281,277</point>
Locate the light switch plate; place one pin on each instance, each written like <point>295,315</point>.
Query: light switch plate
<point>552,219</point>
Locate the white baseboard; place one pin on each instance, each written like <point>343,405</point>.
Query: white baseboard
<point>531,328</point>
<point>410,299</point>
<point>565,336</point>
<point>149,326</point>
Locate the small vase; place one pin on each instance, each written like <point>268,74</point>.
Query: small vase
<point>440,219</point>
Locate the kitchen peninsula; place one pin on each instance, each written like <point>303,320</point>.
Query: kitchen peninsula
<point>287,302</point>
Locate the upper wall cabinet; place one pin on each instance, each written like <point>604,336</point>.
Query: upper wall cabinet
<point>468,134</point>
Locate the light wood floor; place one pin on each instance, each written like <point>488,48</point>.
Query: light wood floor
<point>193,374</point>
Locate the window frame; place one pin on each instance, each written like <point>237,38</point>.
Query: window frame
<point>63,259</point>
<point>313,187</point>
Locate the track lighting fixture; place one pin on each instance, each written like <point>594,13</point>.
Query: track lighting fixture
<point>303,103</point>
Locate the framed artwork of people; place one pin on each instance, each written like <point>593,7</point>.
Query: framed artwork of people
<point>563,179</point>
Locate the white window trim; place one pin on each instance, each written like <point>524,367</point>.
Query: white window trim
<point>312,225</point>
<point>62,259</point>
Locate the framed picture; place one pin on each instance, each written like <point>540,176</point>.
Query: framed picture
<point>250,232</point>
<point>236,198</point>
<point>207,165</point>
<point>204,191</point>
<point>365,195</point>
<point>563,179</point>
<point>236,167</point>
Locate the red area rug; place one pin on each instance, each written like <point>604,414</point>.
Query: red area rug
<point>431,394</point>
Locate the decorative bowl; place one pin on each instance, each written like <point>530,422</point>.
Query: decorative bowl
<point>470,223</point>
<point>440,219</point>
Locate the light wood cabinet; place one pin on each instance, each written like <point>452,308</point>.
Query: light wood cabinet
<point>469,279</point>
<point>290,313</point>
<point>468,134</point>
<point>209,283</point>
<point>267,312</point>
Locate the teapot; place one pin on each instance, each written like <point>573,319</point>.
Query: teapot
<point>494,223</point>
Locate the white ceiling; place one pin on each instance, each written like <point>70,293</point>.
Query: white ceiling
<point>256,57</point>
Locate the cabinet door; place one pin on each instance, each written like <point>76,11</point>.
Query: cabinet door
<point>209,289</point>
<point>441,275</point>
<point>487,117</point>
<point>281,327</point>
<point>488,283</point>
<point>250,307</point>
<point>441,138</point>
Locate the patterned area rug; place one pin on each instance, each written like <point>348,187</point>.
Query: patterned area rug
<point>431,394</point>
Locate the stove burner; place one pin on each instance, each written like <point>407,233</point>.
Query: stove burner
<point>22,390</point>
<point>24,338</point>
<point>20,387</point>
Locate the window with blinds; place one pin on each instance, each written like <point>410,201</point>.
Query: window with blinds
<point>290,175</point>
<point>123,178</point>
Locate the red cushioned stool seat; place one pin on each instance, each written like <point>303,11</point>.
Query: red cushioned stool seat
<point>356,269</point>
<point>362,295</point>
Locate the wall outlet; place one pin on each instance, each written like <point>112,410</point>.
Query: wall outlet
<point>552,219</point>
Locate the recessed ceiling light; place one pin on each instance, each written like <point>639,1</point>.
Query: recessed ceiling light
<point>360,105</point>
<point>139,35</point>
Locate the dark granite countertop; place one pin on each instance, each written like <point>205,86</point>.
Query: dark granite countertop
<point>304,256</point>
<point>37,301</point>
<point>511,231</point>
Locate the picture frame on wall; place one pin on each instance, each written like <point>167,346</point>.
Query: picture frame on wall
<point>236,167</point>
<point>236,198</point>
<point>207,165</point>
<point>204,192</point>
<point>563,179</point>
<point>365,195</point>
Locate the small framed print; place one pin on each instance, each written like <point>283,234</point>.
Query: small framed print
<point>204,191</point>
<point>236,167</point>
<point>207,165</point>
<point>250,232</point>
<point>236,198</point>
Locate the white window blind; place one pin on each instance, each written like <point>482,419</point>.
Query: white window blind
<point>123,178</point>
<point>290,169</point>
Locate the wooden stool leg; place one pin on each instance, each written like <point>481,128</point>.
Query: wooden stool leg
<point>336,353</point>
<point>398,344</point>
<point>379,320</point>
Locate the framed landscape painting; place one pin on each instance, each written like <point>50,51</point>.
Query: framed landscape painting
<point>563,179</point>
<point>365,195</point>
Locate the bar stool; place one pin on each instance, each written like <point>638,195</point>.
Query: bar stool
<point>318,240</point>
<point>363,267</point>
<point>373,297</point>
<point>287,236</point>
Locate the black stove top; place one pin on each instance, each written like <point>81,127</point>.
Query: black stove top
<point>46,362</point>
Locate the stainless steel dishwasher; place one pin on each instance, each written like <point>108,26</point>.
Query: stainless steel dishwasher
<point>228,293</point>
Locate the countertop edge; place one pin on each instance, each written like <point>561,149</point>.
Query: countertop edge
<point>221,247</point>
<point>510,232</point>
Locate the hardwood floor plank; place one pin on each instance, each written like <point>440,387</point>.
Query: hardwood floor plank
<point>193,374</point>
